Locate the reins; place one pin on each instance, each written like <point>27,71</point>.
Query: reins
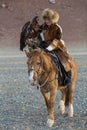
<point>39,85</point>
<point>47,81</point>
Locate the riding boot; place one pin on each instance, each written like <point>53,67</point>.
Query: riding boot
<point>67,81</point>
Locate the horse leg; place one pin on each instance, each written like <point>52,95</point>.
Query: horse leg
<point>49,100</point>
<point>46,97</point>
<point>71,96</point>
<point>61,106</point>
<point>50,120</point>
<point>69,99</point>
<point>70,92</point>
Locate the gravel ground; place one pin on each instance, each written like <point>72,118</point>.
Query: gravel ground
<point>22,106</point>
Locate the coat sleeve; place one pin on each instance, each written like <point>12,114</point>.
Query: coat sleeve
<point>57,42</point>
<point>58,34</point>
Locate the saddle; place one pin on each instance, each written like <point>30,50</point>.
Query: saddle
<point>64,77</point>
<point>62,60</point>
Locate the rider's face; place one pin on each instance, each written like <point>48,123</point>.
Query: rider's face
<point>47,21</point>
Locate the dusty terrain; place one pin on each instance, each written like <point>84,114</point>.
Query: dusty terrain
<point>21,106</point>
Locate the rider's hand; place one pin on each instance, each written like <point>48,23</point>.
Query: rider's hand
<point>49,48</point>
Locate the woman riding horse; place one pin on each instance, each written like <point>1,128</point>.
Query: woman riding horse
<point>42,71</point>
<point>49,35</point>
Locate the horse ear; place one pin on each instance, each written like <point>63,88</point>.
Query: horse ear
<point>27,53</point>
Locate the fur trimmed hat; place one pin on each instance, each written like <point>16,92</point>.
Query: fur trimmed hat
<point>51,15</point>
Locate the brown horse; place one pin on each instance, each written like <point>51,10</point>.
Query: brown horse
<point>44,74</point>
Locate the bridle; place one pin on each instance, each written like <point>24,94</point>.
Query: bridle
<point>37,71</point>
<point>38,81</point>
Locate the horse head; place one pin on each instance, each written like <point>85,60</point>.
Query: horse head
<point>29,32</point>
<point>35,65</point>
<point>39,65</point>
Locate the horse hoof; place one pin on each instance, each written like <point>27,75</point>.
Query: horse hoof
<point>70,114</point>
<point>50,122</point>
<point>71,111</point>
<point>61,110</point>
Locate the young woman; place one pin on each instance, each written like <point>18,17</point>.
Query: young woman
<point>51,32</point>
<point>50,37</point>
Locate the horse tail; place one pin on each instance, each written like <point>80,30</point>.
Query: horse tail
<point>67,97</point>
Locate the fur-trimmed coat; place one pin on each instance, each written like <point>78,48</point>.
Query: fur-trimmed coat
<point>52,36</point>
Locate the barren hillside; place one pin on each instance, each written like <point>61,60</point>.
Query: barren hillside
<point>73,19</point>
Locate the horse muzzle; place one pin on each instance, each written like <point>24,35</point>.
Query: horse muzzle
<point>31,75</point>
<point>31,78</point>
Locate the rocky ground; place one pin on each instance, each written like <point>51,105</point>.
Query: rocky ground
<point>22,106</point>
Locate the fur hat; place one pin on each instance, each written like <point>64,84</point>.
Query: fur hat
<point>51,15</point>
